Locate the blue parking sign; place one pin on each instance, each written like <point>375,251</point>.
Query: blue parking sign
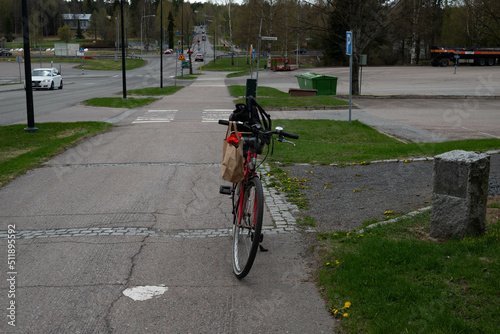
<point>348,43</point>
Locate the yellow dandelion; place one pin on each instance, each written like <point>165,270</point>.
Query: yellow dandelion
<point>328,263</point>
<point>337,262</point>
<point>345,315</point>
<point>335,311</point>
<point>347,304</point>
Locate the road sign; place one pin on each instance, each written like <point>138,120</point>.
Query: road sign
<point>181,57</point>
<point>269,38</point>
<point>348,43</point>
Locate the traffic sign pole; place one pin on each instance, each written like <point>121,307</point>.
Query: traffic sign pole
<point>348,51</point>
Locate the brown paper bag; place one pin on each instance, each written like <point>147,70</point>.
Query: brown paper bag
<point>232,157</point>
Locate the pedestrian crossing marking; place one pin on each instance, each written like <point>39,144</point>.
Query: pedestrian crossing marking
<point>156,116</point>
<point>168,115</point>
<point>213,115</point>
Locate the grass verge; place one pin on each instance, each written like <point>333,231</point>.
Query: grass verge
<point>393,278</point>
<point>168,90</point>
<point>238,66</point>
<point>118,102</point>
<point>271,97</point>
<point>102,64</point>
<point>188,77</point>
<point>327,142</point>
<point>21,150</point>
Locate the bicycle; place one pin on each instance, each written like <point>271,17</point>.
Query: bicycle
<point>247,195</point>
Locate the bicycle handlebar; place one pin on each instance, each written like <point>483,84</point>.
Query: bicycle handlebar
<point>290,135</point>
<point>254,130</point>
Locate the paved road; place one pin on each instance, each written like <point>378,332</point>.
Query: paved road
<point>78,86</point>
<point>139,207</point>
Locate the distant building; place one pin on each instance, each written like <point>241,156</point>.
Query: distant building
<point>72,20</point>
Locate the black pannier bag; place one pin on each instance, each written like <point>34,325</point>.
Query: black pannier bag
<point>256,115</point>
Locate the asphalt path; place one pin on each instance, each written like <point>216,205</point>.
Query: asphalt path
<point>138,207</point>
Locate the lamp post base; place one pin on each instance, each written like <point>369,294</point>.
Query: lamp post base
<point>31,129</point>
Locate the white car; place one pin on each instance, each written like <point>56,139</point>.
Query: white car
<point>46,78</point>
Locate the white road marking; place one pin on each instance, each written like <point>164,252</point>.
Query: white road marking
<point>145,292</point>
<point>156,116</point>
<point>213,115</point>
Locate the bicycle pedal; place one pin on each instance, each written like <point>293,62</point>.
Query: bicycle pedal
<point>226,190</point>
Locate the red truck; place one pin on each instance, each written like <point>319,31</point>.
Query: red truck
<point>441,56</point>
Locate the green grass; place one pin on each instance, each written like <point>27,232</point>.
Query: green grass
<point>240,67</point>
<point>43,44</point>
<point>104,64</point>
<point>168,90</point>
<point>306,221</point>
<point>398,281</point>
<point>271,97</point>
<point>292,187</point>
<point>21,150</point>
<point>118,102</point>
<point>327,142</point>
<point>187,77</point>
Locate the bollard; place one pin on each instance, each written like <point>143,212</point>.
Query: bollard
<point>460,194</point>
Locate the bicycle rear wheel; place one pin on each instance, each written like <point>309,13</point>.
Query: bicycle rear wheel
<point>247,234</point>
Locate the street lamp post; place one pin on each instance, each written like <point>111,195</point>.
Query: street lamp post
<point>161,44</point>
<point>141,28</point>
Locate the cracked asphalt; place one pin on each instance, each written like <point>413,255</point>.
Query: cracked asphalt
<point>139,206</point>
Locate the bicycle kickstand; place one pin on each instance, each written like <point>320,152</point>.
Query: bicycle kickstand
<point>262,249</point>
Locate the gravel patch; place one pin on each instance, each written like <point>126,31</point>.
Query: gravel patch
<point>357,193</point>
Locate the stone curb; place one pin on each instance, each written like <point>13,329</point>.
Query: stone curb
<point>394,220</point>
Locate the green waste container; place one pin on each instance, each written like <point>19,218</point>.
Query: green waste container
<point>325,84</point>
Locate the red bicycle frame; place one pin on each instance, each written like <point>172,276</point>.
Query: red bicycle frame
<point>251,156</point>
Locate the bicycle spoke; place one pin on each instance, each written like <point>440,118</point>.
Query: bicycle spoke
<point>247,232</point>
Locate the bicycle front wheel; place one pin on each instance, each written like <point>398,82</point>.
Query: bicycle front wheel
<point>247,233</point>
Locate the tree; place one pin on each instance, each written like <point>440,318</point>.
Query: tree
<point>64,33</point>
<point>484,21</point>
<point>170,30</point>
<point>367,19</point>
<point>101,25</point>
<point>88,7</point>
<point>79,33</point>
